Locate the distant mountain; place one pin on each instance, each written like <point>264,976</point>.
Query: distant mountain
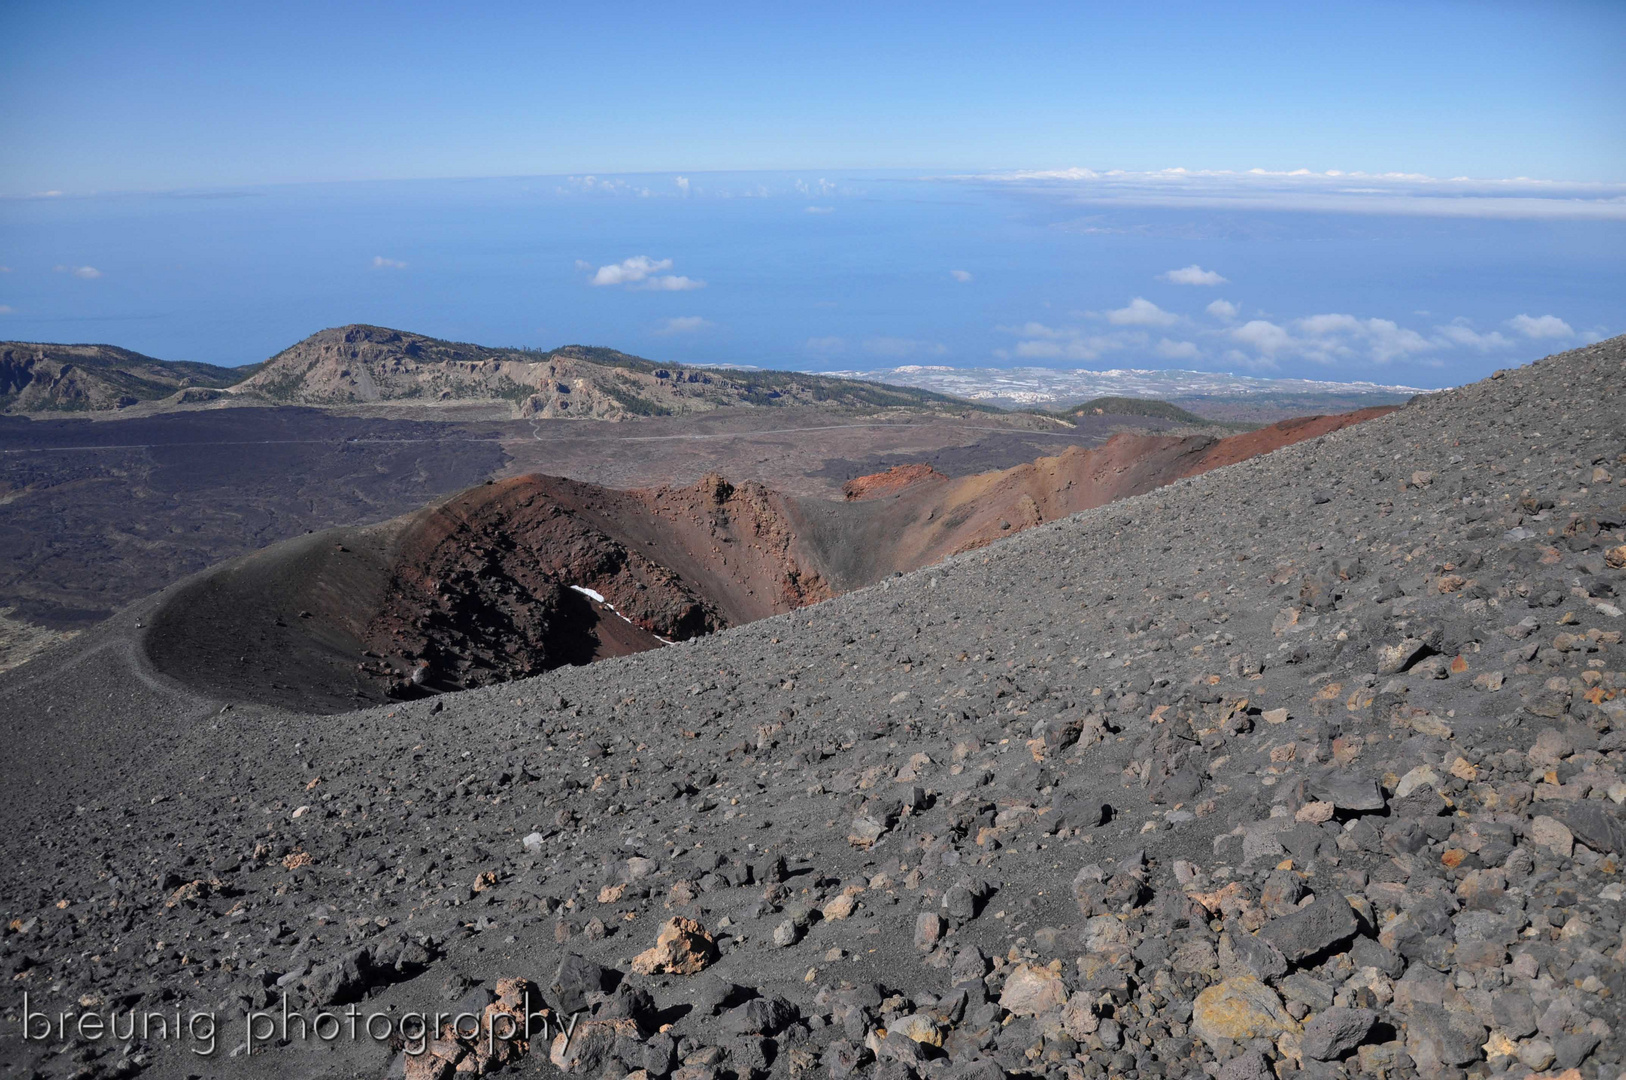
<point>353,365</point>
<point>89,378</point>
<point>363,365</point>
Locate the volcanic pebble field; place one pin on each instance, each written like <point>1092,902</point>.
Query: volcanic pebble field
<point>1307,766</point>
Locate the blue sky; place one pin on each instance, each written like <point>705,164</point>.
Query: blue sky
<point>1415,193</point>
<point>119,96</point>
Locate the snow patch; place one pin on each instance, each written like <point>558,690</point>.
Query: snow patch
<point>594,594</point>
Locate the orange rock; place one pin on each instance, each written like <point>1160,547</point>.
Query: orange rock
<point>683,947</point>
<point>894,480</point>
<point>1231,897</point>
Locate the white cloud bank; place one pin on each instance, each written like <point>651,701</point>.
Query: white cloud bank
<point>627,271</point>
<point>1328,339</point>
<point>1332,191</point>
<point>642,272</point>
<point>89,273</point>
<point>1461,333</point>
<point>1141,312</point>
<point>1192,275</point>
<point>1036,341</point>
<point>684,324</point>
<point>1547,326</point>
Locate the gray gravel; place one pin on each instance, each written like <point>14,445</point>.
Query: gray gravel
<point>1310,766</point>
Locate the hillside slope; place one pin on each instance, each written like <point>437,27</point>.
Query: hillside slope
<point>1305,767</point>
<point>44,378</point>
<point>1130,406</point>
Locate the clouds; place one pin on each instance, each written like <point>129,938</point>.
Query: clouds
<point>684,324</point>
<point>1547,326</point>
<point>1128,333</point>
<point>682,183</point>
<point>1263,336</point>
<point>1333,191</point>
<point>1192,275</point>
<point>1345,339</point>
<point>642,272</point>
<point>1328,339</point>
<point>1143,333</point>
<point>88,273</point>
<point>819,210</point>
<point>1037,341</point>
<point>1461,333</point>
<point>962,276</point>
<point>628,271</point>
<point>1141,312</point>
<point>381,263</point>
<point>672,283</point>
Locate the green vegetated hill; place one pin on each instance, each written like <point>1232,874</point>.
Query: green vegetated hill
<point>1152,408</point>
<point>1128,406</point>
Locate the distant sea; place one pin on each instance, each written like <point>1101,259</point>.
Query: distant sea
<point>1394,280</point>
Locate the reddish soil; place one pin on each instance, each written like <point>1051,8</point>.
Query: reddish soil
<point>1242,447</point>
<point>894,480</point>
<point>862,541</point>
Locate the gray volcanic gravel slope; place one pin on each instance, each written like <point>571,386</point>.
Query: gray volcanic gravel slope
<point>1310,766</point>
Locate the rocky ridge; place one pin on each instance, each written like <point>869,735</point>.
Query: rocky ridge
<point>44,378</point>
<point>354,365</point>
<point>1309,766</point>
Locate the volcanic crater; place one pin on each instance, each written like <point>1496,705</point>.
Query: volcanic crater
<point>516,577</point>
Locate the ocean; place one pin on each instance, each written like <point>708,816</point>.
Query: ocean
<point>1388,279</point>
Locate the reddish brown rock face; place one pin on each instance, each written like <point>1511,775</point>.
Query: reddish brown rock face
<point>891,482</point>
<point>498,582</point>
